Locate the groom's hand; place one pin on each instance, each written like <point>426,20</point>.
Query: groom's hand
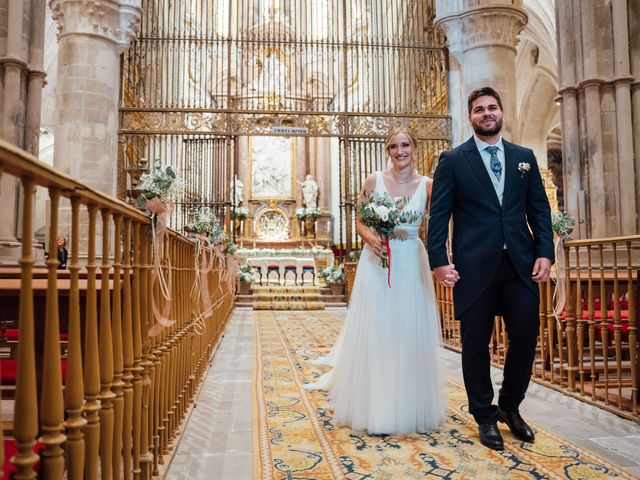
<point>447,275</point>
<point>541,270</point>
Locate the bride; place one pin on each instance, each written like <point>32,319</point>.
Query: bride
<point>386,377</point>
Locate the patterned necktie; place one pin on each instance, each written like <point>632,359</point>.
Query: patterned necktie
<point>494,164</point>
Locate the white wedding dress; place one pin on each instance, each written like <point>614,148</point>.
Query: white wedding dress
<point>386,376</point>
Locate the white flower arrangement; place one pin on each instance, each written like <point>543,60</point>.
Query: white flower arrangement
<point>161,182</point>
<point>383,214</point>
<point>284,252</point>
<point>204,221</point>
<point>562,224</point>
<point>303,213</point>
<point>245,273</point>
<point>241,213</point>
<point>333,275</point>
<point>524,167</point>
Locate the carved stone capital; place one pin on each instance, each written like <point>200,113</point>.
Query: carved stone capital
<point>485,26</point>
<point>117,21</point>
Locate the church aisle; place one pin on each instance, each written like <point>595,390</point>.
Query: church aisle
<point>217,442</point>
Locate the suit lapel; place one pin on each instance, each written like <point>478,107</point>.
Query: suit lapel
<point>511,169</point>
<point>477,165</point>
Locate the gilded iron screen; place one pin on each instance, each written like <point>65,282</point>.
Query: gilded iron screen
<point>204,72</point>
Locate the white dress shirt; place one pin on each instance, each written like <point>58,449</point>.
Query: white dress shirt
<point>486,159</point>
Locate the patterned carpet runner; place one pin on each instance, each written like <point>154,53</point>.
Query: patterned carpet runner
<point>295,436</point>
<point>287,298</point>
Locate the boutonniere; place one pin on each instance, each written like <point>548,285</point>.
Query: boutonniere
<point>524,167</point>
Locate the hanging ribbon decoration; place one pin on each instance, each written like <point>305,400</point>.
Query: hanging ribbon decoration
<point>159,214</point>
<point>560,289</point>
<point>200,287</point>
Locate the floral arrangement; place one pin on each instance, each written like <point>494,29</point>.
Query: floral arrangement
<point>283,252</point>
<point>383,214</point>
<point>333,275</point>
<point>218,236</point>
<point>241,213</point>
<point>303,213</point>
<point>524,167</point>
<point>245,273</point>
<point>562,224</point>
<point>161,182</point>
<point>204,221</point>
<point>231,248</point>
<point>354,255</point>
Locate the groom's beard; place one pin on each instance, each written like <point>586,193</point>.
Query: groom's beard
<point>488,132</point>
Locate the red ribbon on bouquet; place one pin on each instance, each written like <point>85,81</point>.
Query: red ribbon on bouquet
<point>388,247</point>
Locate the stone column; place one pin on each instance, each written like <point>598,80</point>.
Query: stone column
<point>484,41</point>
<point>597,45</point>
<point>22,78</point>
<point>91,37</point>
<point>569,113</point>
<point>633,14</point>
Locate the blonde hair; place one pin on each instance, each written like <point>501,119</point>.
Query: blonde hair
<point>396,131</point>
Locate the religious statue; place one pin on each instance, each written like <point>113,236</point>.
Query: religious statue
<point>309,192</point>
<point>238,193</point>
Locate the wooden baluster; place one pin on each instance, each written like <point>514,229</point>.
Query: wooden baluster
<point>1,430</point>
<point>604,330</point>
<point>579,322</point>
<point>137,353</point>
<point>91,357</point>
<point>571,325</point>
<point>118,365</point>
<point>26,404</point>
<point>156,385</point>
<point>127,353</point>
<point>633,330</point>
<point>592,323</point>
<point>106,358</point>
<point>146,456</point>
<point>617,327</point>
<point>51,407</point>
<point>74,387</point>
<point>570,320</point>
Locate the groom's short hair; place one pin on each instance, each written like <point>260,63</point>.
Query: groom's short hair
<point>483,92</point>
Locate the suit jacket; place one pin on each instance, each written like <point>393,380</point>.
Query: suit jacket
<point>481,226</point>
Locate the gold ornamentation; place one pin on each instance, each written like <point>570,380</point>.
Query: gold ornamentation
<point>272,224</point>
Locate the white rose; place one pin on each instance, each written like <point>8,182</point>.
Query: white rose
<point>382,212</point>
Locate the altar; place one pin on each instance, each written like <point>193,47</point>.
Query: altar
<point>303,264</point>
<point>276,202</point>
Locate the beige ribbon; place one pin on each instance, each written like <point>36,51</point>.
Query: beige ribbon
<point>158,230</point>
<point>560,289</point>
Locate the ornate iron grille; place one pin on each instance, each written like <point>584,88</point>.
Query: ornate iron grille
<point>351,69</point>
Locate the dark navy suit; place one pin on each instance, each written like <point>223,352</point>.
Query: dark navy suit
<point>493,280</point>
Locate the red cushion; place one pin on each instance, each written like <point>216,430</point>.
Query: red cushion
<point>9,370</point>
<point>290,266</point>
<point>611,328</point>
<point>308,267</point>
<point>12,334</point>
<point>273,266</point>
<point>10,450</point>
<point>597,315</point>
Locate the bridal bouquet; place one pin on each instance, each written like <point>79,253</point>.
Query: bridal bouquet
<point>383,214</point>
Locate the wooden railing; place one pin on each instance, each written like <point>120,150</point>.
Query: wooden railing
<point>112,407</point>
<point>591,350</point>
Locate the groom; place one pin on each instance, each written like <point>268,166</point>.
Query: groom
<point>502,248</point>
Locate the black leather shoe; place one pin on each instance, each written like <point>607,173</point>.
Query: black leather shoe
<point>490,436</point>
<point>517,425</point>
